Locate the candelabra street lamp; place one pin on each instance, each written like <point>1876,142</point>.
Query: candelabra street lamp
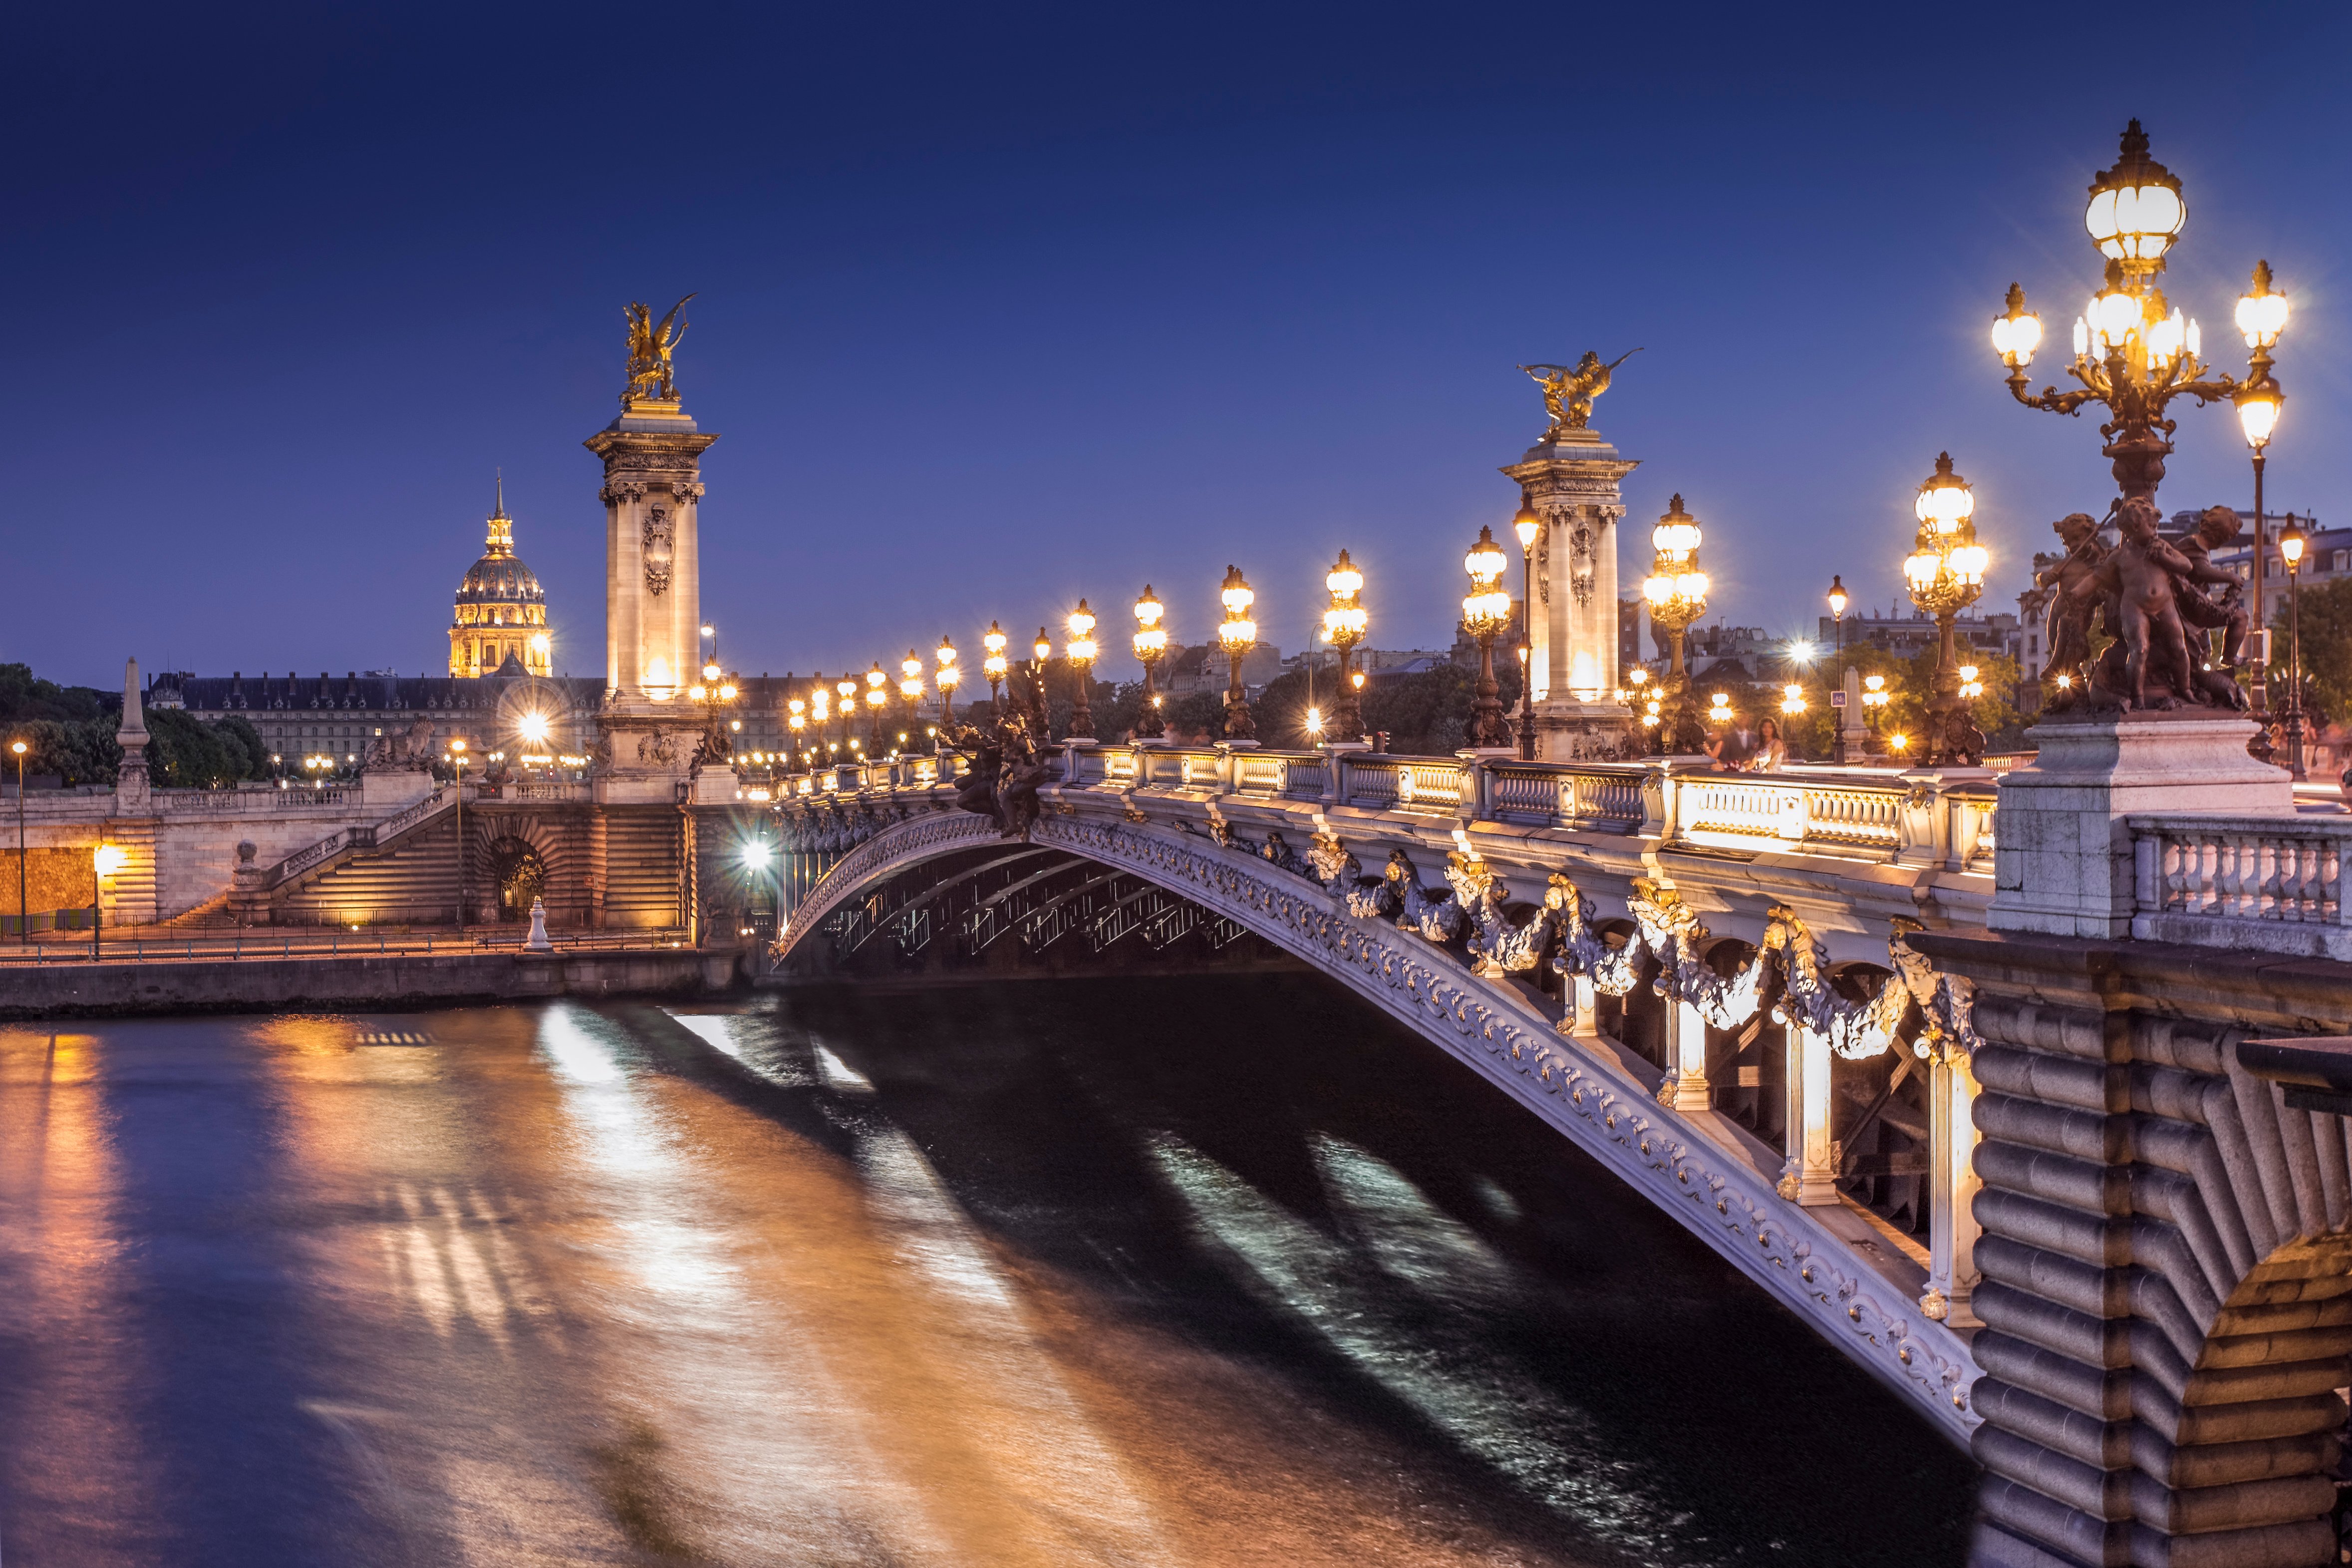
<point>1675,591</point>
<point>2134,354</point>
<point>2291,544</point>
<point>796,720</point>
<point>1945,572</point>
<point>1151,646</point>
<point>1344,624</point>
<point>911,684</point>
<point>877,695</point>
<point>1082,662</point>
<point>1041,652</point>
<point>1237,633</point>
<point>994,665</point>
<point>1527,525</point>
<point>845,708</point>
<point>1487,613</point>
<point>714,693</point>
<point>1837,668</point>
<point>944,656</point>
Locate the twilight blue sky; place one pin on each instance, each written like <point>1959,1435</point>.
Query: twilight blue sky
<point>1003,306</point>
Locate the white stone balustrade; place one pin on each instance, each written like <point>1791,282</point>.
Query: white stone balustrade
<point>2272,884</point>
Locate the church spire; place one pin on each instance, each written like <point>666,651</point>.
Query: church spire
<point>502,542</point>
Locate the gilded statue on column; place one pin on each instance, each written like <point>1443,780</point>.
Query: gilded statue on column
<point>650,346</point>
<point>1568,392</point>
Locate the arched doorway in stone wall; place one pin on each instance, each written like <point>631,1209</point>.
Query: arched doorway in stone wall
<point>519,875</point>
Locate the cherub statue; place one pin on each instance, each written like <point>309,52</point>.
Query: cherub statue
<point>650,352</point>
<point>1568,394</point>
<point>2141,577</point>
<point>2217,525</point>
<point>2068,627</point>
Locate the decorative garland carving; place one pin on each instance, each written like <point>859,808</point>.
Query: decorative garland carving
<point>1647,1143</point>
<point>620,491</point>
<point>658,530</point>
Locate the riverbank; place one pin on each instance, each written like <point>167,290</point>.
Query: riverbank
<point>372,980</point>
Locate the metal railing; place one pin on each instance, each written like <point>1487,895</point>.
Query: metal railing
<point>281,943</point>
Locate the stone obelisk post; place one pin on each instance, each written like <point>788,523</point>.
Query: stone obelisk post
<point>653,599</point>
<point>1570,476</point>
<point>132,826</point>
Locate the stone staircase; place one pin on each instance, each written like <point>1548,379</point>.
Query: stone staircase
<point>368,875</point>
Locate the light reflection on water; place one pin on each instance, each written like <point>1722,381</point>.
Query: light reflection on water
<point>969,1278</point>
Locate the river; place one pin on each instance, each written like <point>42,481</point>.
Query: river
<point>1220,1270</point>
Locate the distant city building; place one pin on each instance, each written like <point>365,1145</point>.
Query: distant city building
<point>501,612</point>
<point>1206,667</point>
<point>1908,632</point>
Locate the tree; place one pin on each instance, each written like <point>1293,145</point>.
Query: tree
<point>24,696</point>
<point>2327,614</point>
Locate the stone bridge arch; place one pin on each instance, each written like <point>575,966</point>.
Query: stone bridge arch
<point>1604,1099</point>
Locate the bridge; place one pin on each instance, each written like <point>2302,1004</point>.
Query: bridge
<point>2009,1160</point>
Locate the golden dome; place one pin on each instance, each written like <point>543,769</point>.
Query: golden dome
<point>502,610</point>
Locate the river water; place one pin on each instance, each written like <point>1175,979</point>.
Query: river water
<point>1220,1270</point>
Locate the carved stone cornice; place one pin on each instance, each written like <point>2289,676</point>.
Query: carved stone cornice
<point>1729,1203</point>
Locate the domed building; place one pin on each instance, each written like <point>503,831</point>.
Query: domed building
<point>501,610</point>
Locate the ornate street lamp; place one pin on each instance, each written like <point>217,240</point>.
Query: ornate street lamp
<point>2291,544</point>
<point>1151,647</point>
<point>2133,351</point>
<point>1082,661</point>
<point>1237,633</point>
<point>1527,525</point>
<point>993,665</point>
<point>1041,651</point>
<point>944,656</point>
<point>844,706</point>
<point>877,695</point>
<point>1485,612</point>
<point>2261,316</point>
<point>1675,591</point>
<point>1945,572</point>
<point>1344,624</point>
<point>1837,667</point>
<point>456,756</point>
<point>714,690</point>
<point>911,684</point>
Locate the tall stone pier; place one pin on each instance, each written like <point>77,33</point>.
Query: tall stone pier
<point>653,597</point>
<point>2165,1247</point>
<point>1571,478</point>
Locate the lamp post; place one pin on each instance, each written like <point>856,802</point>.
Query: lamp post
<point>878,693</point>
<point>995,665</point>
<point>714,690</point>
<point>1041,651</point>
<point>1344,624</point>
<point>1237,633</point>
<point>1837,667</point>
<point>1945,572</point>
<point>1675,591</point>
<point>911,686</point>
<point>1151,643</point>
<point>796,721</point>
<point>1082,662</point>
<point>1875,698</point>
<point>1486,612</point>
<point>457,756</point>
<point>2131,353</point>
<point>1527,525</point>
<point>944,656</point>
<point>2261,316</point>
<point>845,708</point>
<point>23,920</point>
<point>2291,543</point>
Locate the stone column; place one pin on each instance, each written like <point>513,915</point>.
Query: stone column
<point>1810,1176</point>
<point>1686,1049</point>
<point>131,788</point>
<point>1952,1186</point>
<point>132,897</point>
<point>1572,482</point>
<point>652,600</point>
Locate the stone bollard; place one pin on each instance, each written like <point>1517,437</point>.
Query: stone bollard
<point>539,942</point>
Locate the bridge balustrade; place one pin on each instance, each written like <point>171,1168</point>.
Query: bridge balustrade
<point>2267,882</point>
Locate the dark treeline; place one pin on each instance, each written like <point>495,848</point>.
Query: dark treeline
<point>68,733</point>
